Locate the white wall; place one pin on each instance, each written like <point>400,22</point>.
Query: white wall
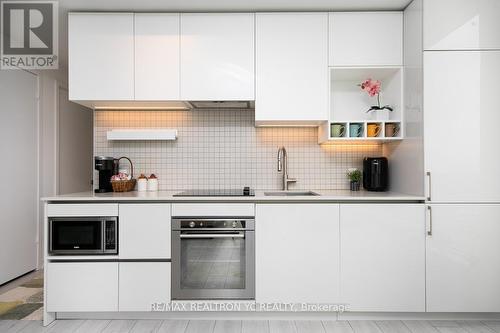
<point>406,158</point>
<point>19,118</point>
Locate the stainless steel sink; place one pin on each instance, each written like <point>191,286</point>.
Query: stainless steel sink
<point>291,193</point>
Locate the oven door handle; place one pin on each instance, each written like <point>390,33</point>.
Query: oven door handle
<point>212,236</point>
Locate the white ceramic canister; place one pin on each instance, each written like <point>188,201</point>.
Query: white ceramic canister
<point>152,184</point>
<point>142,184</point>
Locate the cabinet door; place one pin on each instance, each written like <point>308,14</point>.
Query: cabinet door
<point>463,269</point>
<point>461,125</point>
<point>144,231</point>
<point>382,262</point>
<point>291,68</point>
<point>297,253</point>
<point>142,284</point>
<point>366,39</point>
<point>217,56</point>
<point>82,286</point>
<point>101,56</point>
<point>157,66</point>
<point>461,24</point>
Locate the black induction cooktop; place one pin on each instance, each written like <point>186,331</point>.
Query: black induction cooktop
<point>242,192</point>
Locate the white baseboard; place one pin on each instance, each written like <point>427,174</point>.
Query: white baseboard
<point>279,315</point>
<point>417,316</point>
<point>200,315</point>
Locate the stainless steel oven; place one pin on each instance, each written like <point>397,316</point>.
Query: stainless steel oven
<point>213,258</point>
<point>83,235</point>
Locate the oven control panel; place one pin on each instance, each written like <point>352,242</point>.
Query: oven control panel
<point>213,223</point>
<point>209,224</point>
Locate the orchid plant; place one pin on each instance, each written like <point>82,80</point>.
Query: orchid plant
<point>372,87</point>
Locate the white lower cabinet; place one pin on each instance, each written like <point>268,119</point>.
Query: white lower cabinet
<point>382,257</point>
<point>143,284</point>
<point>82,286</point>
<point>463,266</point>
<point>144,231</point>
<point>297,253</point>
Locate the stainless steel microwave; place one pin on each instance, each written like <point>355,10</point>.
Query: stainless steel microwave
<point>83,235</point>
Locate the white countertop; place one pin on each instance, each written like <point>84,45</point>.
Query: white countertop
<point>167,196</point>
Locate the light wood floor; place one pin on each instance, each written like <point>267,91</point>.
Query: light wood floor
<point>250,326</point>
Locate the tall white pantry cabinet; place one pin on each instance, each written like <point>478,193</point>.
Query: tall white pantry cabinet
<point>461,67</point>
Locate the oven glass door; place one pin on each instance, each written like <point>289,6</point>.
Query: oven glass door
<point>215,265</point>
<point>76,236</point>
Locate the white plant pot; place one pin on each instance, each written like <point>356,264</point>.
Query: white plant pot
<point>380,114</point>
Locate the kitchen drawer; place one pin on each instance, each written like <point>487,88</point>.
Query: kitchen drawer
<point>218,209</point>
<point>67,210</point>
<point>82,286</point>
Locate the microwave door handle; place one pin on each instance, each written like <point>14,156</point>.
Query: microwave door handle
<point>187,236</point>
<point>103,235</point>
<point>51,236</point>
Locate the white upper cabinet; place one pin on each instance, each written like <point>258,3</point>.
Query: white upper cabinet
<point>461,24</point>
<point>101,56</point>
<point>217,56</point>
<point>366,39</point>
<point>382,257</point>
<point>461,125</point>
<point>291,68</point>
<point>463,269</point>
<point>157,43</point>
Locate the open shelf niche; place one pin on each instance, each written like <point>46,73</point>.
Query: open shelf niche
<point>348,105</point>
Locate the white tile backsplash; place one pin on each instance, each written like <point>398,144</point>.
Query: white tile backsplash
<point>223,149</point>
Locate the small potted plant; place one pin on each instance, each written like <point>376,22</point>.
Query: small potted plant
<point>372,87</point>
<point>354,176</point>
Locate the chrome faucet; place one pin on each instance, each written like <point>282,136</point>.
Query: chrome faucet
<point>283,167</point>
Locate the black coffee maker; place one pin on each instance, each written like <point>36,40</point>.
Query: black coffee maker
<point>375,174</point>
<point>107,167</point>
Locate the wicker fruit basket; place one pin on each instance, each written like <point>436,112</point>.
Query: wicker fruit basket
<point>125,185</point>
